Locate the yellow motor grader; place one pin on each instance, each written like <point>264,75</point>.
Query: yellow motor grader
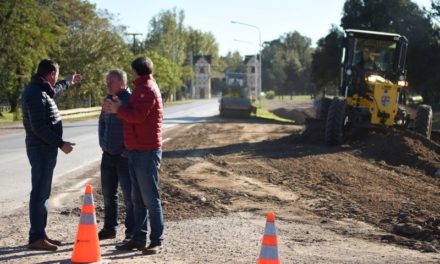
<point>373,90</point>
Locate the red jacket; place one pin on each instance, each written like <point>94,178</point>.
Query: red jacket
<point>143,116</point>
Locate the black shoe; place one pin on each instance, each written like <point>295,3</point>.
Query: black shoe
<point>152,249</point>
<point>130,245</point>
<point>105,234</point>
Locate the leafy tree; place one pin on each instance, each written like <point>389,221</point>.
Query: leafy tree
<point>327,60</point>
<point>166,73</point>
<point>273,71</point>
<point>233,62</point>
<point>201,43</point>
<point>72,32</point>
<point>91,45</point>
<point>27,35</point>
<point>169,38</point>
<point>166,35</point>
<point>299,59</point>
<point>287,63</point>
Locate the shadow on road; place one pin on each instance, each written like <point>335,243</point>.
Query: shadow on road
<point>21,252</point>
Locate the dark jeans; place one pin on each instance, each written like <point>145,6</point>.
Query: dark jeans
<point>114,170</point>
<point>144,172</point>
<point>43,160</point>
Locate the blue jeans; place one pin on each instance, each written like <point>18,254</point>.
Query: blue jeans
<point>144,172</point>
<point>43,160</point>
<point>114,170</point>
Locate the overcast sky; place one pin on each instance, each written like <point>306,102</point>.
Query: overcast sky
<point>312,18</point>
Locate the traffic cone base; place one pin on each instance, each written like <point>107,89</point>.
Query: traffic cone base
<point>99,262</point>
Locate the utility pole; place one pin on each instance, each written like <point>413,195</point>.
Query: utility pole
<point>134,40</point>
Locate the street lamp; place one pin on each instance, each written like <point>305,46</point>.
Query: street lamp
<point>259,49</point>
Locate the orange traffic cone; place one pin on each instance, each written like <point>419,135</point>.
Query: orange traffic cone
<point>269,246</point>
<point>86,248</point>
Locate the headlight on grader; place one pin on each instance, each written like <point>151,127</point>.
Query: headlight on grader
<point>375,79</point>
<point>402,83</point>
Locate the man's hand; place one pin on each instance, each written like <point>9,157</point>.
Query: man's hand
<point>67,147</point>
<point>74,78</point>
<point>111,106</point>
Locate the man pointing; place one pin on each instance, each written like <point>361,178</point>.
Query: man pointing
<point>44,135</point>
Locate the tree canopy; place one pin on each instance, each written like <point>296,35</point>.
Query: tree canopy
<point>71,32</point>
<point>287,64</point>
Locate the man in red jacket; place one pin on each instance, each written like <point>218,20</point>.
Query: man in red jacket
<point>142,120</point>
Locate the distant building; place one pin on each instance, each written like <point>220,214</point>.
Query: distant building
<point>202,70</point>
<point>253,75</point>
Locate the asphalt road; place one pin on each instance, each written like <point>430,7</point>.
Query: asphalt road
<point>15,179</point>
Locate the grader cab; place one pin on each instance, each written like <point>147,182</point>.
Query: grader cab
<point>373,90</point>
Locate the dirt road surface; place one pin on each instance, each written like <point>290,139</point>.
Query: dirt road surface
<point>370,201</point>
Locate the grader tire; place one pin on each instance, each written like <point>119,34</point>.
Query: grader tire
<point>334,129</point>
<point>423,121</point>
<point>322,109</point>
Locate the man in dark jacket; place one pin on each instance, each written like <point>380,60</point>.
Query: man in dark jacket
<point>114,163</point>
<point>143,140</point>
<point>44,135</point>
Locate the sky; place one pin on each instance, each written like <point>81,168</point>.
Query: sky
<point>274,18</point>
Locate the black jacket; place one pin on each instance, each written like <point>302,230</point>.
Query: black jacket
<point>41,118</point>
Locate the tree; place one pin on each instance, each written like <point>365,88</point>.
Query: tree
<point>166,35</point>
<point>169,38</point>
<point>91,45</point>
<point>434,91</point>
<point>327,60</point>
<point>71,32</point>
<point>232,62</point>
<point>299,59</point>
<point>27,35</point>
<point>166,73</point>
<point>273,74</point>
<point>198,42</point>
<point>287,62</point>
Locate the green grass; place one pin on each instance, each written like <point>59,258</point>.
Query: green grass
<point>288,98</point>
<point>7,117</point>
<point>295,99</point>
<point>178,102</point>
<point>265,114</point>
